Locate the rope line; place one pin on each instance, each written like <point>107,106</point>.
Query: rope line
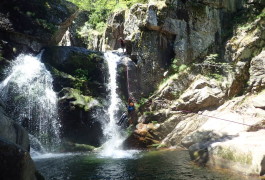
<point>128,85</point>
<point>216,118</point>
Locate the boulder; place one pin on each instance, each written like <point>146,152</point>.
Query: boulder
<point>13,132</point>
<point>79,77</point>
<point>259,100</point>
<point>142,137</point>
<point>200,95</point>
<point>244,153</point>
<point>16,163</point>
<point>85,67</point>
<point>257,73</point>
<point>80,117</point>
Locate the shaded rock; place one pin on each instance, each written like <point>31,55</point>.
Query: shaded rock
<point>79,76</point>
<point>79,117</point>
<point>16,163</point>
<point>200,136</point>
<point>237,153</point>
<point>151,19</point>
<point>257,73</point>
<point>238,78</point>
<point>12,132</point>
<point>75,27</point>
<point>174,86</point>
<point>153,53</point>
<point>68,59</point>
<point>29,25</point>
<point>80,63</point>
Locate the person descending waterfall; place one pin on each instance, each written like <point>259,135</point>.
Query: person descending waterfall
<point>130,110</point>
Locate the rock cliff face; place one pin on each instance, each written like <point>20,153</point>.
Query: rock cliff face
<point>160,31</point>
<point>79,80</point>
<point>216,77</point>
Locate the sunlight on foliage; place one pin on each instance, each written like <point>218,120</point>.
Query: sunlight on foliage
<point>99,10</point>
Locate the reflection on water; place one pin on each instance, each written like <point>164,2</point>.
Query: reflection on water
<point>142,166</point>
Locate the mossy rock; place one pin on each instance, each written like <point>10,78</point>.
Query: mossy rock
<point>79,100</point>
<point>74,147</point>
<point>78,62</point>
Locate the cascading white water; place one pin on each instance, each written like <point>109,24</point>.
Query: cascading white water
<point>30,100</point>
<point>111,130</point>
<point>66,39</point>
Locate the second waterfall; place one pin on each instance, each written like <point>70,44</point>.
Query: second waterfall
<point>113,133</point>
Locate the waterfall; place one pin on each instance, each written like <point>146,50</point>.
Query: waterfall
<point>30,100</point>
<point>114,134</point>
<point>111,130</point>
<point>66,39</point>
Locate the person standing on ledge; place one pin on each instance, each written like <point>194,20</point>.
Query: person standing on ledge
<point>122,43</point>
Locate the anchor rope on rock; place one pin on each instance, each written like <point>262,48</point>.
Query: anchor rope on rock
<point>186,111</point>
<point>127,74</point>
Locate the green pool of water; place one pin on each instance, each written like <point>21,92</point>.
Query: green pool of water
<point>161,165</point>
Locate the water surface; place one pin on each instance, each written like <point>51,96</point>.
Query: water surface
<point>139,166</point>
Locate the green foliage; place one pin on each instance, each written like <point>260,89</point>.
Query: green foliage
<point>46,25</point>
<point>232,155</point>
<point>82,74</point>
<point>177,67</point>
<point>212,57</point>
<point>77,99</point>
<point>174,65</point>
<point>148,113</point>
<point>99,10</point>
<point>74,147</point>
<point>1,55</point>
<point>154,122</point>
<point>157,146</point>
<point>218,77</point>
<point>245,19</point>
<point>212,68</point>
<point>129,130</point>
<point>140,103</point>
